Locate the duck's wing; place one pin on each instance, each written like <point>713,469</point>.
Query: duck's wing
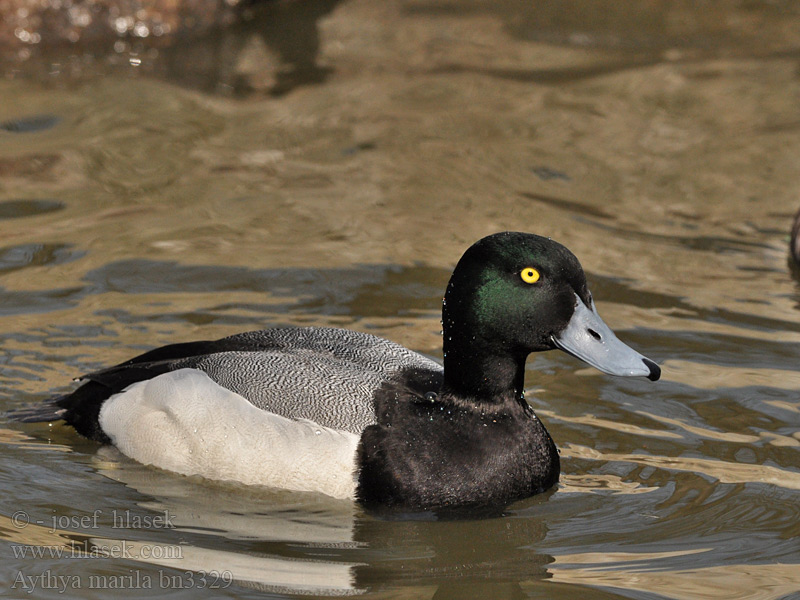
<point>325,375</point>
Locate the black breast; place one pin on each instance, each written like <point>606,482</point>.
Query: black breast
<point>431,451</point>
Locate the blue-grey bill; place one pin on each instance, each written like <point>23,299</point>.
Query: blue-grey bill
<point>587,337</point>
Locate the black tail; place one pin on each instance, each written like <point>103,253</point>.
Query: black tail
<point>81,408</point>
<point>49,410</point>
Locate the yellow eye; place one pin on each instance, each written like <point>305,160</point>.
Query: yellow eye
<point>529,275</point>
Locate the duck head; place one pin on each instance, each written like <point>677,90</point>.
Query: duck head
<point>516,293</point>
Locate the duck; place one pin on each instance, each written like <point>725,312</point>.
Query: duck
<point>794,240</point>
<point>353,415</point>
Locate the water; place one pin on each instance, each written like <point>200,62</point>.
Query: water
<point>336,182</point>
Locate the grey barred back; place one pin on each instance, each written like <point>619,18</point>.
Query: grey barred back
<point>326,375</point>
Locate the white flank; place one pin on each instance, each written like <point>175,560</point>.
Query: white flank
<point>184,422</point>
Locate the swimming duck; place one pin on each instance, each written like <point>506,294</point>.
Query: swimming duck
<point>794,243</point>
<point>357,416</point>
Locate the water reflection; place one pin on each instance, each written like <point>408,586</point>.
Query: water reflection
<point>296,543</point>
<point>275,48</point>
<point>657,140</point>
<point>640,29</point>
<point>34,255</point>
<point>453,558</point>
<point>230,48</point>
<point>30,124</point>
<point>308,544</point>
<point>644,573</point>
<point>377,290</point>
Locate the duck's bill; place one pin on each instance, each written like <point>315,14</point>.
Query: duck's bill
<point>587,337</point>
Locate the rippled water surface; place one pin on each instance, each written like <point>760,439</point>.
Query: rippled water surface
<point>333,175</point>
